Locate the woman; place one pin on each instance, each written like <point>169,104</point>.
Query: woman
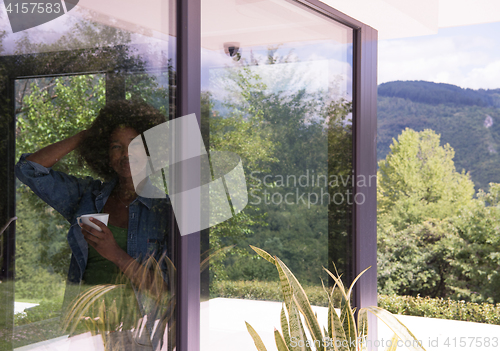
<point>137,228</point>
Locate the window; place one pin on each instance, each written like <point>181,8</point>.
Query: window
<point>232,69</point>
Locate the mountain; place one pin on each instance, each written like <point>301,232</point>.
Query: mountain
<point>440,93</point>
<point>467,119</point>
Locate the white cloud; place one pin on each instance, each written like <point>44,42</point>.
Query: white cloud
<point>487,77</point>
<point>463,60</point>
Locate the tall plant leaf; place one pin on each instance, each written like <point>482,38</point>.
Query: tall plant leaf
<point>354,282</point>
<point>394,343</point>
<point>397,327</point>
<point>263,254</point>
<point>284,327</point>
<point>338,336</point>
<point>256,338</point>
<point>297,332</point>
<point>280,342</point>
<point>346,314</point>
<point>286,288</point>
<point>82,304</point>
<point>303,304</point>
<point>362,324</point>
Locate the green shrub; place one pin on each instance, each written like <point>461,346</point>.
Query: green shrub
<point>405,305</point>
<point>45,310</point>
<point>441,308</point>
<point>259,290</point>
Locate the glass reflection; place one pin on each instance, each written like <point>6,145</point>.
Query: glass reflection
<point>90,60</point>
<point>277,90</point>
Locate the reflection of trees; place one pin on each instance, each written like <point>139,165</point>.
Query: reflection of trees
<point>48,109</point>
<point>306,132</point>
<point>340,167</point>
<point>247,137</point>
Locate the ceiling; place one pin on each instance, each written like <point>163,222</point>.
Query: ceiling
<point>260,22</point>
<point>392,18</point>
<point>407,18</point>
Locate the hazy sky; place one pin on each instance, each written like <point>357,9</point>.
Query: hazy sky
<point>466,56</point>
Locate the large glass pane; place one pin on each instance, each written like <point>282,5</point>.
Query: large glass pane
<point>277,91</point>
<point>75,91</point>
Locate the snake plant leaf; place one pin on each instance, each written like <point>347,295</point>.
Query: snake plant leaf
<point>346,314</point>
<point>397,327</point>
<point>256,338</point>
<point>330,308</point>
<point>82,304</point>
<point>303,304</point>
<point>354,282</point>
<point>347,317</point>
<point>327,345</point>
<point>297,332</point>
<point>304,337</point>
<point>338,282</point>
<point>338,336</point>
<point>286,288</point>
<point>284,326</point>
<point>394,343</point>
<point>263,254</point>
<point>330,320</point>
<point>280,342</point>
<point>114,311</point>
<point>70,314</point>
<point>102,322</point>
<point>362,324</point>
<point>296,328</point>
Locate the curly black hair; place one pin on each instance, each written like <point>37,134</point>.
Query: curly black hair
<point>94,148</point>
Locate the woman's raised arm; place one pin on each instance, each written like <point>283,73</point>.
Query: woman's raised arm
<point>50,155</point>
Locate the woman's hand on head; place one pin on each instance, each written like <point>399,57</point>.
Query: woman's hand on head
<point>51,154</point>
<point>104,243</point>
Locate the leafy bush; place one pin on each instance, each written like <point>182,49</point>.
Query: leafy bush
<point>40,285</point>
<point>434,237</point>
<point>405,305</point>
<point>45,310</point>
<point>441,308</point>
<point>260,290</point>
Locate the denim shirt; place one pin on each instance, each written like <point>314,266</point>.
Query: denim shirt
<point>149,219</point>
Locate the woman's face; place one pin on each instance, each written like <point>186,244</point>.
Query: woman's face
<point>121,156</point>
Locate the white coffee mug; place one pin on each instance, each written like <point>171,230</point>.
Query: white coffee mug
<point>103,217</point>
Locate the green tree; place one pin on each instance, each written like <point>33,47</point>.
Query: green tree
<point>418,181</point>
<point>476,249</point>
<point>48,110</point>
<point>419,195</point>
<point>418,259</point>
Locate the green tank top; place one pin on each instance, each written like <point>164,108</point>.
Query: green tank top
<point>120,304</point>
<point>99,270</point>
